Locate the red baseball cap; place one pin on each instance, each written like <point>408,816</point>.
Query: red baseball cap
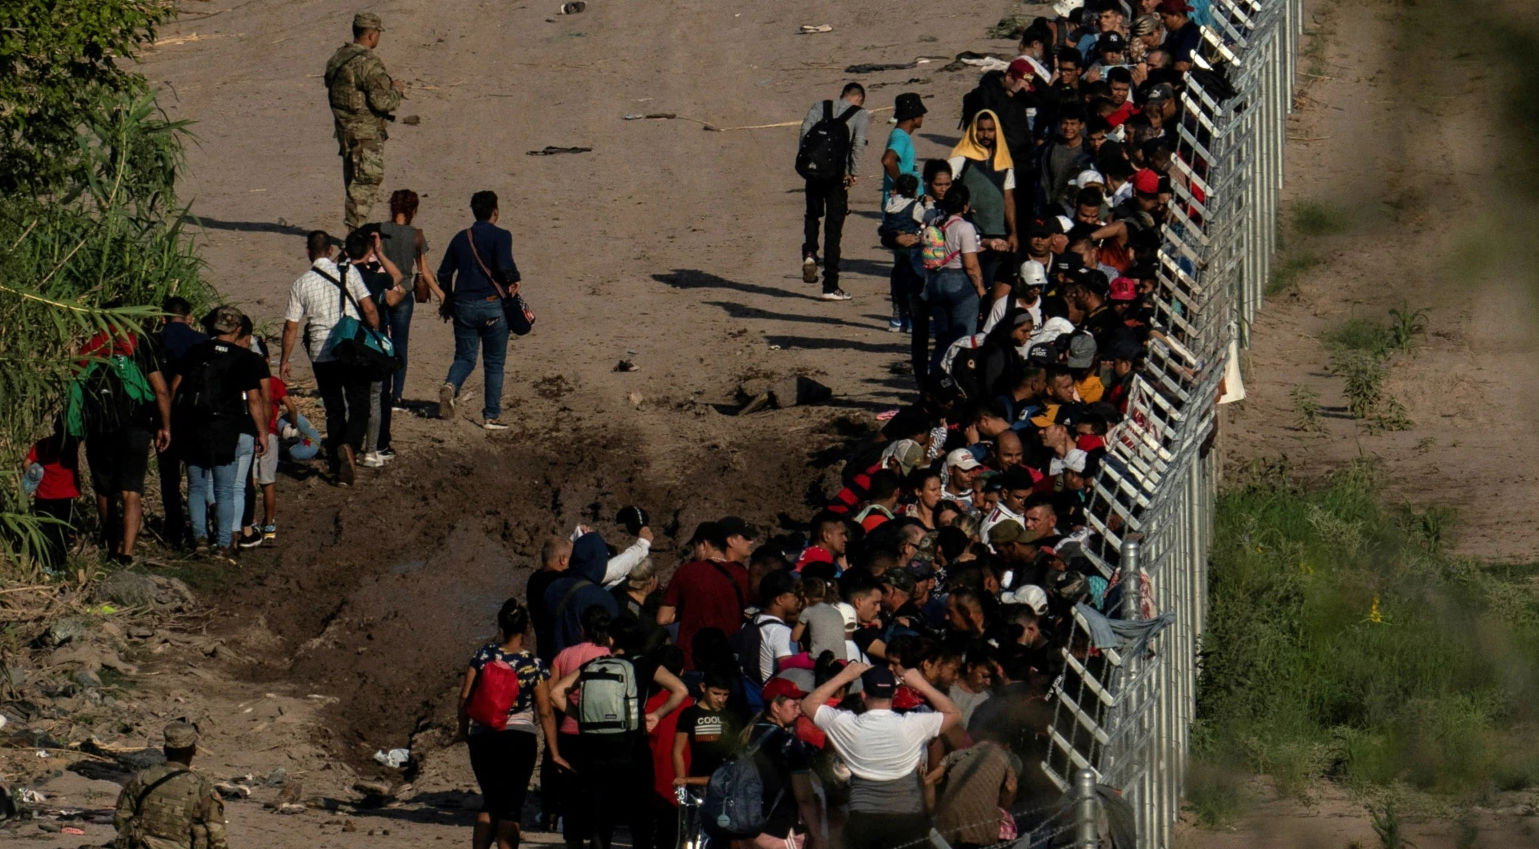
<point>1173,7</point>
<point>776,687</point>
<point>1020,69</point>
<point>1146,182</point>
<point>1123,289</point>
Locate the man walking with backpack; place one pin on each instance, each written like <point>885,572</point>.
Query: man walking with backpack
<point>833,136</point>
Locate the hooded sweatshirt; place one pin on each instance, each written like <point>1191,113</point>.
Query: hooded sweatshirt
<point>579,589</point>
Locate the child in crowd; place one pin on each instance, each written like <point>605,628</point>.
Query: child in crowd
<point>901,222</point>
<point>52,476</point>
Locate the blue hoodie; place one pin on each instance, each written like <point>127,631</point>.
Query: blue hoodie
<point>590,557</point>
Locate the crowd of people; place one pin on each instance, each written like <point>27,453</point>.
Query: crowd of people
<point>890,669</point>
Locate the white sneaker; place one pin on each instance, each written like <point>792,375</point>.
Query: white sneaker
<point>836,295</point>
<point>493,424</point>
<point>371,460</point>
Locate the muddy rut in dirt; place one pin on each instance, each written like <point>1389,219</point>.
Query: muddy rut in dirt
<point>379,594</point>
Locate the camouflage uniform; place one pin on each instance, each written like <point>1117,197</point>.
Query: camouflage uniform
<point>362,101</point>
<point>183,812</point>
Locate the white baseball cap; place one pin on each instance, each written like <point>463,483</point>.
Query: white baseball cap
<point>962,459</point>
<point>1062,8</point>
<point>1088,176</point>
<point>1033,273</point>
<point>1030,595</point>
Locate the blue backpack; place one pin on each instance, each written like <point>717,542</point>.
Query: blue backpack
<point>734,807</point>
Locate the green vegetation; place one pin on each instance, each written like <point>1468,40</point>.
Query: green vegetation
<point>1311,218</point>
<point>1288,270</point>
<point>90,234</point>
<point>1304,224</point>
<point>1306,408</point>
<point>1361,350</point>
<point>1343,643</point>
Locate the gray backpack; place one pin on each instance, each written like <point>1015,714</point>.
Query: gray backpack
<point>610,703</point>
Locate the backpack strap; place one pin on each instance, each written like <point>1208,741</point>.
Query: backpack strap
<point>155,785</point>
<point>567,599</point>
<point>828,110</point>
<point>742,603</point>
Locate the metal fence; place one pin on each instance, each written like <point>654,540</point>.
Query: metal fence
<point>1124,711</point>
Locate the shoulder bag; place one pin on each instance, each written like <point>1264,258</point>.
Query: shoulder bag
<point>514,307</point>
<point>355,344</point>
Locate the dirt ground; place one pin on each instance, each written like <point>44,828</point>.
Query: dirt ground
<point>678,249</point>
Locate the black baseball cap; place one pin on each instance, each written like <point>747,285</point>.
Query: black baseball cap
<point>732,526</point>
<point>878,683</point>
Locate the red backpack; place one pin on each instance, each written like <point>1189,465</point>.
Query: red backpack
<point>494,695</point>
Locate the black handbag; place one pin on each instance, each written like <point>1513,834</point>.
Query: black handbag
<point>514,308</point>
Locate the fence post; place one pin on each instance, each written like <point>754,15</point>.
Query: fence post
<point>1087,812</point>
<point>1129,580</point>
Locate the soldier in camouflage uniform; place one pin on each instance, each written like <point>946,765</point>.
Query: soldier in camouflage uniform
<point>170,806</point>
<point>363,98</point>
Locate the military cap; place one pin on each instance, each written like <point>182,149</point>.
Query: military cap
<point>181,735</point>
<point>899,579</point>
<point>368,20</point>
<point>1010,531</point>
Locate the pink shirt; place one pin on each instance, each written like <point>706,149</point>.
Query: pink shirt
<point>567,660</point>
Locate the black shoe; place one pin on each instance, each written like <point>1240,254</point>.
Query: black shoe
<point>227,554</point>
<point>250,540</point>
<point>346,466</point>
<point>386,453</point>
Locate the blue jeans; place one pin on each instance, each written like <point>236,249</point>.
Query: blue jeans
<point>225,486</point>
<point>954,304</point>
<point>398,320</point>
<point>480,322</point>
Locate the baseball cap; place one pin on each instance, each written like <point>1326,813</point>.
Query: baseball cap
<point>898,579</point>
<point>908,453</point>
<point>1047,417</point>
<point>962,459</point>
<point>1030,595</point>
<point>878,683</point>
<point>1065,223</point>
<point>776,687</point>
<point>1160,94</point>
<point>1020,69</point>
<point>1038,228</point>
<point>1088,176</point>
<point>1016,479</point>
<point>368,20</point>
<point>1123,289</point>
<point>1033,274</point>
<point>1008,531</point>
<point>1173,7</point>
<point>732,526</point>
<point>1111,42</point>
<point>921,570</point>
<point>1146,182</point>
<point>847,611</point>
<point>704,531</point>
<point>1081,350</point>
<point>1062,8</point>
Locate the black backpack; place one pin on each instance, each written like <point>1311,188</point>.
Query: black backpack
<point>206,395</point>
<point>825,150</point>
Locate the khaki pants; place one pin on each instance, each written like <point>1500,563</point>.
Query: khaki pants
<point>363,170</point>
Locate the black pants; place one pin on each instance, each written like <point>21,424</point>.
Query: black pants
<point>919,342</point>
<point>56,537</point>
<point>612,784</point>
<point>503,762</point>
<point>884,831</point>
<point>172,503</point>
<point>829,200</point>
<point>345,393</point>
<point>905,284</point>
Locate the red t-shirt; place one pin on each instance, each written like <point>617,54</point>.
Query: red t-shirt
<point>280,390</point>
<point>661,743</point>
<point>60,458</point>
<point>706,597</point>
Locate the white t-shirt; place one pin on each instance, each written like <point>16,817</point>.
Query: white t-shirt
<point>961,238</point>
<point>957,162</point>
<point>774,643</point>
<point>879,745</point>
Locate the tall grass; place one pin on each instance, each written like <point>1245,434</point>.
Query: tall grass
<point>99,257</point>
<point>1343,643</point>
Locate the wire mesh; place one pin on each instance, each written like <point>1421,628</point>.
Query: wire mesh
<point>1128,718</point>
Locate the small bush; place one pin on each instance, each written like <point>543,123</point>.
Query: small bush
<point>1215,794</point>
<point>1288,270</point>
<point>1306,409</point>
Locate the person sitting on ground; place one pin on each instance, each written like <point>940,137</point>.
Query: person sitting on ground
<point>883,749</point>
<point>708,592</point>
<point>169,804</point>
<point>503,758</point>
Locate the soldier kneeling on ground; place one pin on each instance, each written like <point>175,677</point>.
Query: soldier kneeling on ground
<point>170,806</point>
